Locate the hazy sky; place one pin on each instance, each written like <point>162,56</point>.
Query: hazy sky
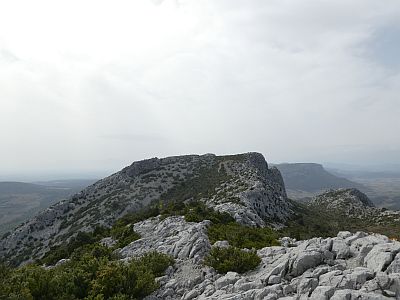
<point>88,86</point>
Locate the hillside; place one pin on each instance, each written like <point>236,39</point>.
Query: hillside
<point>204,227</point>
<point>306,180</point>
<point>339,210</point>
<point>240,185</point>
<point>20,201</point>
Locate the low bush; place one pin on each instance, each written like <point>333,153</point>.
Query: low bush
<point>124,235</point>
<point>132,218</point>
<point>65,250</point>
<point>195,211</point>
<point>232,259</point>
<point>243,236</point>
<point>202,185</point>
<point>90,274</point>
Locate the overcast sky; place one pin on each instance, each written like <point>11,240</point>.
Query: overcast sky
<point>90,86</point>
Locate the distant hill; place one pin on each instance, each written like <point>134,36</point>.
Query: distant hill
<point>305,180</point>
<point>19,201</point>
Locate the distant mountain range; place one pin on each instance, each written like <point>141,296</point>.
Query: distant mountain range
<point>20,201</point>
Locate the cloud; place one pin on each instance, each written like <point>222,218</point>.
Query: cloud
<point>89,84</point>
<point>7,56</point>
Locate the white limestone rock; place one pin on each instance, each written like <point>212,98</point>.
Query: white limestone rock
<point>301,272</point>
<point>173,236</point>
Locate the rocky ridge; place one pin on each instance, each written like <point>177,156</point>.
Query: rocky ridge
<point>242,185</point>
<point>349,266</point>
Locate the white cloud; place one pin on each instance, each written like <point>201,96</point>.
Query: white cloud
<point>98,84</point>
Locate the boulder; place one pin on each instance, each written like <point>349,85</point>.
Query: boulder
<point>305,260</point>
<point>381,256</point>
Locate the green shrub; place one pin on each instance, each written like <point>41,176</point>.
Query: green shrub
<point>202,185</point>
<point>124,235</point>
<point>155,262</point>
<point>132,218</point>
<point>135,279</point>
<point>90,274</point>
<point>195,211</point>
<point>243,236</point>
<point>232,259</point>
<point>65,250</point>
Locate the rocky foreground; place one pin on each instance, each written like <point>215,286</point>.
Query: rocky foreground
<point>349,266</point>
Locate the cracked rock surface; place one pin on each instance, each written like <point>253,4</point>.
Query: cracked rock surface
<point>348,266</point>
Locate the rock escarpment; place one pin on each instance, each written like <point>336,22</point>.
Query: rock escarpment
<point>349,266</point>
<point>242,185</point>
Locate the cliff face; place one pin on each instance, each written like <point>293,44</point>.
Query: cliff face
<point>242,185</point>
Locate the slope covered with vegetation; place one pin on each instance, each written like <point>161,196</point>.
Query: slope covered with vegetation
<point>91,273</point>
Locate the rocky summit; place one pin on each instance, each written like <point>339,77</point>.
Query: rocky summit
<point>242,185</point>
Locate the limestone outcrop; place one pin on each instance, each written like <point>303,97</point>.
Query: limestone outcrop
<point>348,266</point>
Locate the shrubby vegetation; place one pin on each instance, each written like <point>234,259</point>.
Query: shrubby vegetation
<point>65,250</point>
<point>124,235</point>
<point>122,232</point>
<point>307,224</point>
<point>243,236</point>
<point>312,222</point>
<point>202,185</point>
<point>232,259</point>
<point>195,211</point>
<point>92,273</point>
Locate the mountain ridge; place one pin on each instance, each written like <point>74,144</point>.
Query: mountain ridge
<point>195,227</point>
<point>241,185</point>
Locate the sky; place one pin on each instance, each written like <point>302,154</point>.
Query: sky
<point>88,87</point>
